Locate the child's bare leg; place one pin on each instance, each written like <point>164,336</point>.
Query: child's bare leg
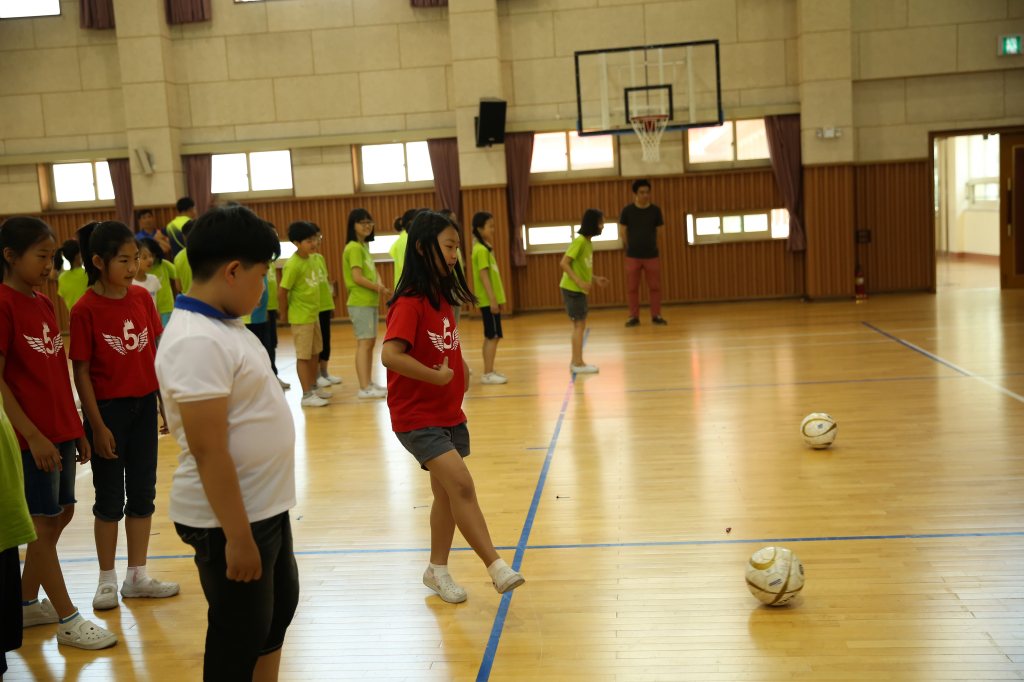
<point>442,524</point>
<point>306,369</point>
<point>579,328</point>
<point>42,566</point>
<point>106,543</point>
<point>490,350</point>
<point>364,361</point>
<point>453,475</point>
<point>267,667</point>
<point>137,532</point>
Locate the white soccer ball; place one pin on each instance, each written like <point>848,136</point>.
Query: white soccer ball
<point>775,575</point>
<point>819,430</point>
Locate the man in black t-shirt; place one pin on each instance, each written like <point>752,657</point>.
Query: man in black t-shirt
<point>642,220</point>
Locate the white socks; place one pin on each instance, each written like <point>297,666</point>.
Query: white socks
<point>438,571</point>
<point>493,569</point>
<point>108,576</point>
<point>136,574</point>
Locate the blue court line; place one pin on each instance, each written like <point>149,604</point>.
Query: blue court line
<point>484,674</point>
<point>612,545</point>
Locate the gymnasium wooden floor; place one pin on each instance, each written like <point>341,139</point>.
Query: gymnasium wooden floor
<point>621,487</point>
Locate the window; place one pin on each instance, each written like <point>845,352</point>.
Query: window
<point>735,226</point>
<point>730,145</point>
<point>568,152</point>
<point>983,172</point>
<point>12,9</point>
<point>380,247</point>
<point>396,166</point>
<point>81,183</point>
<point>269,173</point>
<point>555,238</point>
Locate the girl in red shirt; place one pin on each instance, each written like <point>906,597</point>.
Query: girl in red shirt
<point>38,398</point>
<point>114,328</point>
<point>425,390</point>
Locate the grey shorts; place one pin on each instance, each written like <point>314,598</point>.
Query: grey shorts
<point>364,321</point>
<point>575,304</point>
<point>457,312</point>
<point>433,441</point>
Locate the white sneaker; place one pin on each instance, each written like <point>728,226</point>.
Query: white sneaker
<point>149,588</point>
<point>106,597</point>
<point>322,392</point>
<point>584,369</point>
<point>331,378</point>
<point>372,391</point>
<point>40,613</point>
<point>284,384</point>
<point>507,580</point>
<point>313,401</point>
<point>84,634</point>
<point>445,587</point>
<point>493,378</point>
<point>323,382</point>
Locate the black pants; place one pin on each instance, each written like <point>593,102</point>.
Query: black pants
<point>245,620</point>
<point>270,338</point>
<point>325,331</point>
<point>10,604</point>
<point>260,330</point>
<point>132,474</point>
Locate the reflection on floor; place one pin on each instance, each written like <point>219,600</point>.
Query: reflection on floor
<point>956,273</point>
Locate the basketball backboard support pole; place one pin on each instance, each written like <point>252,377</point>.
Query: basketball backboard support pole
<point>680,80</point>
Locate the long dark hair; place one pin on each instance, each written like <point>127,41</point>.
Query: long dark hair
<point>153,247</point>
<point>358,215</point>
<point>480,219</point>
<point>591,224</point>
<point>104,240</point>
<point>422,276</point>
<point>67,251</point>
<point>403,221</point>
<point>19,234</point>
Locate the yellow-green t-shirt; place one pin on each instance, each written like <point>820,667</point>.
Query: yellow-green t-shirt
<point>15,523</point>
<point>582,253</point>
<point>397,252</point>
<point>174,235</point>
<point>272,287</point>
<point>484,259</point>
<point>72,285</point>
<point>358,256</point>
<point>165,272</point>
<point>326,299</point>
<point>300,278</point>
<point>184,270</point>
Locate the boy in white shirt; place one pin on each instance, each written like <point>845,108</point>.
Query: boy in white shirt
<point>235,480</point>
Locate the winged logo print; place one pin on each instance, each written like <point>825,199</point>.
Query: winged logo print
<point>441,342</point>
<point>115,343</point>
<point>143,338</point>
<point>45,345</point>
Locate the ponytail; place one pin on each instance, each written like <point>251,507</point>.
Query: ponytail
<point>480,219</point>
<point>68,251</point>
<point>104,240</point>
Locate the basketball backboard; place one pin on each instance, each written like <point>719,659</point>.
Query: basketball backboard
<point>680,80</point>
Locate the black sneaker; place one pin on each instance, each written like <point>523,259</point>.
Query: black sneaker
<point>633,322</point>
<point>659,320</point>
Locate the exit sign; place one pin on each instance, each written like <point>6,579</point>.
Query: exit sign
<point>1009,45</point>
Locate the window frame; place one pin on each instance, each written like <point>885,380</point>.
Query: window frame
<point>76,205</point>
<point>60,12</point>
<point>536,249</point>
<point>701,166</point>
<point>733,237</point>
<point>982,204</point>
<point>250,193</point>
<point>570,174</point>
<point>389,186</point>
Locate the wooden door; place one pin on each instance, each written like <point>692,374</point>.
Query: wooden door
<point>1011,211</point>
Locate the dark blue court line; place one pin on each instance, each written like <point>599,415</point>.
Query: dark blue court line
<point>914,348</point>
<point>484,674</point>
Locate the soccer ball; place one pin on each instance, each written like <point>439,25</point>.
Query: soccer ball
<point>819,430</point>
<point>775,575</point>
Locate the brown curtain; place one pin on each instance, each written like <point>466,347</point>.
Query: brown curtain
<point>784,146</point>
<point>198,176</point>
<point>97,14</point>
<point>429,3</point>
<point>444,161</point>
<point>518,156</point>
<point>124,202</point>
<point>187,11</point>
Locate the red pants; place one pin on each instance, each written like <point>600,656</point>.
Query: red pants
<point>652,270</point>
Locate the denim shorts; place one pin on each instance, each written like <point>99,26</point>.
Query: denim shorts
<point>48,492</point>
<point>433,441</point>
<point>132,474</point>
<point>575,304</point>
<point>245,620</point>
<point>365,320</point>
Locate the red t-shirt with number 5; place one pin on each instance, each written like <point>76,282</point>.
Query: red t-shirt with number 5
<point>432,336</point>
<point>117,337</point>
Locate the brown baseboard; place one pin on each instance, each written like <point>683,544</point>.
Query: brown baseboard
<point>970,257</point>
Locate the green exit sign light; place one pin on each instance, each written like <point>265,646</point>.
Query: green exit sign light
<point>1009,45</point>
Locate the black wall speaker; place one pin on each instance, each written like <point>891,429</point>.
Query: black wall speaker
<point>490,124</point>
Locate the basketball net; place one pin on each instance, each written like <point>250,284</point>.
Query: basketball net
<point>649,129</point>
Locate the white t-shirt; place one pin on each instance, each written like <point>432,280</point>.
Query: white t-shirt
<point>152,285</point>
<point>203,357</point>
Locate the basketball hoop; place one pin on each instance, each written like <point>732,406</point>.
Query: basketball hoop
<point>649,129</point>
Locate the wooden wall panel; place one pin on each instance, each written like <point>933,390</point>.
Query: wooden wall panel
<point>893,201</point>
<point>494,201</point>
<point>829,222</point>
<point>744,270</point>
